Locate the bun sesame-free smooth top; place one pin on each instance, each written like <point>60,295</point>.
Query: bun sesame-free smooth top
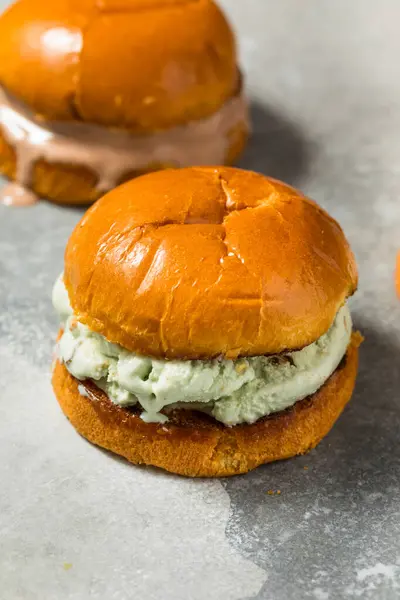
<point>143,65</point>
<point>204,262</point>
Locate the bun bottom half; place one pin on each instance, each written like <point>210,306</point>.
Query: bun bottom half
<point>196,445</point>
<point>76,185</point>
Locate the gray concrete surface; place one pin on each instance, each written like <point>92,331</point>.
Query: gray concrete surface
<point>76,523</point>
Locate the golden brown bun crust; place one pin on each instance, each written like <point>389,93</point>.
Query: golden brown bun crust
<point>68,184</point>
<point>195,445</point>
<point>203,262</point>
<point>137,64</point>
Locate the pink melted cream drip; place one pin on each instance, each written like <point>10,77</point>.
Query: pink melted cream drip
<point>14,194</point>
<point>109,153</point>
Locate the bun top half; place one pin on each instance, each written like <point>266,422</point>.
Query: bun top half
<point>208,262</point>
<point>143,65</point>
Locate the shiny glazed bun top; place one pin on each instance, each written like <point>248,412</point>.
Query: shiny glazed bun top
<point>206,262</point>
<point>138,64</point>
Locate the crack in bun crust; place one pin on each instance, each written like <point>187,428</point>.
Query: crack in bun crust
<point>196,445</point>
<point>207,262</point>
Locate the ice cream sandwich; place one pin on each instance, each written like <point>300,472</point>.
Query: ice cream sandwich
<point>205,326</point>
<point>95,92</point>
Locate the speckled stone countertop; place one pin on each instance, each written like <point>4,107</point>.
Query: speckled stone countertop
<point>75,523</point>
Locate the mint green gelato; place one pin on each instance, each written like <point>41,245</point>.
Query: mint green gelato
<point>232,391</point>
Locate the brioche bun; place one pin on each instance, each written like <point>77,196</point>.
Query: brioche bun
<point>143,65</point>
<point>206,262</point>
<point>196,445</point>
